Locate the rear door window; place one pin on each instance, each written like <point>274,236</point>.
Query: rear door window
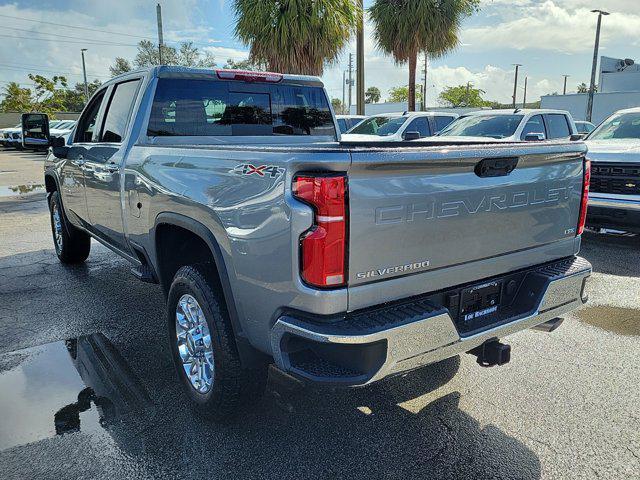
<point>118,111</point>
<point>420,125</point>
<point>534,125</point>
<point>188,107</point>
<point>558,126</point>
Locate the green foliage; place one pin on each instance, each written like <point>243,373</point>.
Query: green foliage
<point>295,36</point>
<point>16,99</point>
<point>47,96</point>
<point>148,55</point>
<point>372,95</point>
<point>401,94</point>
<point>404,28</point>
<point>243,65</point>
<point>337,105</point>
<point>463,96</point>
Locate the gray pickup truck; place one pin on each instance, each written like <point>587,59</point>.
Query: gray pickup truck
<point>275,243</point>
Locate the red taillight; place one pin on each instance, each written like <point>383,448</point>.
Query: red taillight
<point>323,246</point>
<point>249,76</point>
<point>585,196</point>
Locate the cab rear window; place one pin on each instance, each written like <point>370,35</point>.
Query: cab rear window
<point>188,107</point>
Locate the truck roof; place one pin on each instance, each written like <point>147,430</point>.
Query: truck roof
<point>174,71</point>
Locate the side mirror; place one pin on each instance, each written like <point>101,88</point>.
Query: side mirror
<point>59,147</point>
<point>534,137</point>
<point>409,136</point>
<point>35,130</point>
<point>576,137</point>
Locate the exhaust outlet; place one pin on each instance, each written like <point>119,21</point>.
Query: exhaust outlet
<point>549,326</point>
<point>492,353</point>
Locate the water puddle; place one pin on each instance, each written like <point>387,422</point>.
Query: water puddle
<point>81,384</point>
<point>623,321</point>
<point>14,190</point>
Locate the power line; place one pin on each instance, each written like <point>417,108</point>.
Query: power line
<point>84,42</point>
<point>38,69</point>
<point>56,35</point>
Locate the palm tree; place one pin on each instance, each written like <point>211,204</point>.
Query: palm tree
<point>295,36</point>
<point>372,95</point>
<point>404,28</point>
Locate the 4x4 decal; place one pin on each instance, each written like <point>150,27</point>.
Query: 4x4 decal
<point>271,171</point>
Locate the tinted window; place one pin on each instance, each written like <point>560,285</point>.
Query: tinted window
<point>118,111</point>
<point>491,126</point>
<point>184,107</point>
<point>383,126</point>
<point>558,126</point>
<point>534,125</point>
<point>342,123</point>
<point>442,122</point>
<point>623,125</point>
<point>420,125</point>
<point>87,123</point>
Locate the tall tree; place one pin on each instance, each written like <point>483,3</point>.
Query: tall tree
<point>372,95</point>
<point>16,98</point>
<point>463,96</point>
<point>338,108</point>
<point>401,94</point>
<point>122,65</point>
<point>404,28</point>
<point>295,36</point>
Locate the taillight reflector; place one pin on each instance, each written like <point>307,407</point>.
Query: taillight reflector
<point>323,247</point>
<point>585,196</point>
<point>249,76</point>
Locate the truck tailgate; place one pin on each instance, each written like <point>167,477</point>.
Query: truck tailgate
<point>416,210</point>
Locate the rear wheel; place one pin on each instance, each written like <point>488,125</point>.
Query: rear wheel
<point>203,346</point>
<point>72,245</point>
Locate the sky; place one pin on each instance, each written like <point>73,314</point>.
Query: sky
<point>550,38</point>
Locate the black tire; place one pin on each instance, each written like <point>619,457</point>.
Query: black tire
<point>72,245</point>
<point>232,384</point>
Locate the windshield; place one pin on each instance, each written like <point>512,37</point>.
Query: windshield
<point>624,125</point>
<point>492,126</point>
<point>381,126</point>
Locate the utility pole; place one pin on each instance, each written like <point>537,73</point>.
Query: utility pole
<point>466,98</point>
<point>350,81</point>
<point>592,87</point>
<point>160,40</point>
<point>84,72</point>
<point>564,90</point>
<point>344,84</point>
<point>515,85</point>
<point>524,102</point>
<point>424,86</point>
<point>360,62</point>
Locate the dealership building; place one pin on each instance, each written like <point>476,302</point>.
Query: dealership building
<point>618,88</point>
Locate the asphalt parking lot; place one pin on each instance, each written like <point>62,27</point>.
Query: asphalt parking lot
<point>87,389</point>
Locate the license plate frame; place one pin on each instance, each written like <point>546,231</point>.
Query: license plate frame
<point>480,302</point>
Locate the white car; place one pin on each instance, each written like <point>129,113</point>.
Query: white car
<point>399,127</point>
<point>512,125</point>
<point>13,137</point>
<point>6,137</point>
<point>63,129</point>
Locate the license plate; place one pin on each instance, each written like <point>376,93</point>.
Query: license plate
<point>480,301</point>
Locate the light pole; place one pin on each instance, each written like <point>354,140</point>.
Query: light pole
<point>160,39</point>
<point>84,73</point>
<point>592,86</point>
<point>524,102</point>
<point>564,90</point>
<point>515,85</point>
<point>360,63</point>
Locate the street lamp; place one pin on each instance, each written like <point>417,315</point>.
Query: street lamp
<point>84,72</point>
<point>592,87</point>
<point>515,85</point>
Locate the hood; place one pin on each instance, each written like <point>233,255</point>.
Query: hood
<point>354,137</point>
<point>621,145</point>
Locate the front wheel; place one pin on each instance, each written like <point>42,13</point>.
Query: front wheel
<point>72,245</point>
<point>203,346</point>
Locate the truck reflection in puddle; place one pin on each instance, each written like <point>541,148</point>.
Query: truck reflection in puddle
<point>82,384</point>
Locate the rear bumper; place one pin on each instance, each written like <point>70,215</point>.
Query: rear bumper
<point>364,347</point>
<point>620,212</point>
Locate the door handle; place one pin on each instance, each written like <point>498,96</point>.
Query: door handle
<point>496,167</point>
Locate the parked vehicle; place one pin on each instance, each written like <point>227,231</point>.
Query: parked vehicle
<point>584,128</point>
<point>614,149</point>
<point>13,137</point>
<point>346,122</point>
<point>273,241</point>
<point>6,135</point>
<point>513,125</point>
<point>399,127</point>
